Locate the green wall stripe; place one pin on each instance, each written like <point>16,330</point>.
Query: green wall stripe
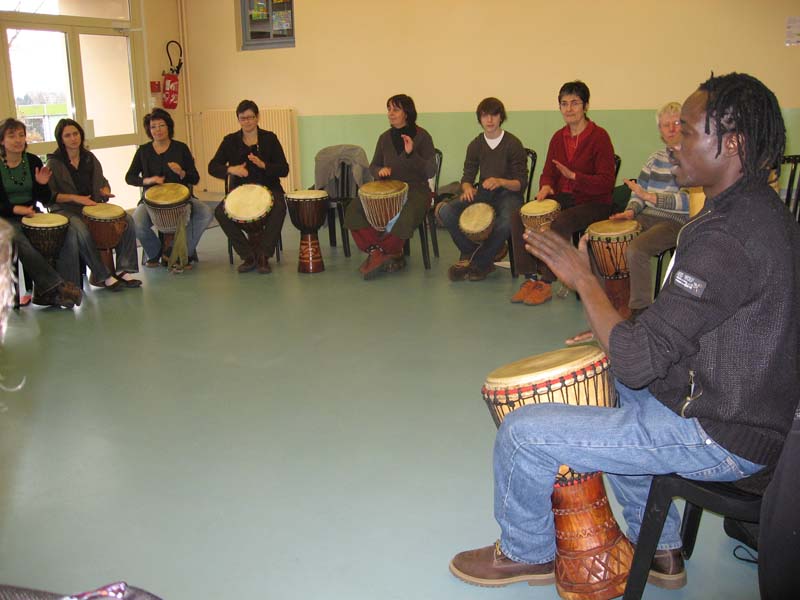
<point>633,133</point>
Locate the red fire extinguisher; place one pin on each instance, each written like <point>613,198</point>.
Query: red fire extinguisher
<point>169,92</point>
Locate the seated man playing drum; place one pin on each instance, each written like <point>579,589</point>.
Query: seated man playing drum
<point>579,173</point>
<point>255,156</point>
<point>696,396</point>
<point>500,159</point>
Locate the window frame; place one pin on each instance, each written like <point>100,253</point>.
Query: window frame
<point>73,27</point>
<point>262,44</point>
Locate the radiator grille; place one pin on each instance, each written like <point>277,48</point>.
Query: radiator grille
<point>210,126</point>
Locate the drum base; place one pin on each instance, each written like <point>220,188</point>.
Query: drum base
<point>310,254</point>
<point>619,292</point>
<point>593,557</point>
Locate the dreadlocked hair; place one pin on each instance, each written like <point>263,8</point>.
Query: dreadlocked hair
<point>740,104</point>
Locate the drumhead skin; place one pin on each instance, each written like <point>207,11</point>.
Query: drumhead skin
<point>610,228</point>
<point>248,203</point>
<point>104,212</point>
<point>167,194</point>
<point>45,220</point>
<point>544,367</point>
<point>537,208</point>
<point>384,187</point>
<point>476,217</point>
<point>304,195</point>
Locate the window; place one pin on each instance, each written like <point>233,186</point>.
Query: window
<point>96,9</point>
<point>267,24</point>
<point>89,74</point>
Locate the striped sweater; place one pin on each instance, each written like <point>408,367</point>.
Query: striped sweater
<point>656,177</point>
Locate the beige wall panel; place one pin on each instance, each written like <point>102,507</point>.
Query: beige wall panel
<point>161,25</point>
<point>350,55</point>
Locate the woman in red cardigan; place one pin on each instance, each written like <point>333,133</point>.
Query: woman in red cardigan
<point>579,173</point>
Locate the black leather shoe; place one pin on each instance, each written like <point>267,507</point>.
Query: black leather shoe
<point>117,286</point>
<point>131,283</point>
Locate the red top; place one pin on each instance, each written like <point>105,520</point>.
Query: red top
<point>590,155</point>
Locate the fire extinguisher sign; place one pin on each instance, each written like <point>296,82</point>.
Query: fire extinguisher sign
<point>169,94</point>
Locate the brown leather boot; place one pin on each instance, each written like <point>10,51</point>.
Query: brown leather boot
<point>263,265</point>
<point>489,567</point>
<point>248,265</point>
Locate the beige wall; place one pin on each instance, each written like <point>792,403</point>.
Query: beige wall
<point>161,24</point>
<point>351,55</point>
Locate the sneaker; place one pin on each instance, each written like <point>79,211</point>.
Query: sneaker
<point>523,291</point>
<point>459,271</point>
<point>540,293</point>
<point>248,265</point>
<point>479,274</point>
<point>489,567</point>
<point>667,569</point>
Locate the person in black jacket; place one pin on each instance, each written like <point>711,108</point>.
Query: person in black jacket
<point>707,376</point>
<point>252,155</point>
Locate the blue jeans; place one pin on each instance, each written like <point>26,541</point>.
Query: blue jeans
<point>504,203</point>
<point>79,242</point>
<point>639,439</point>
<point>201,216</point>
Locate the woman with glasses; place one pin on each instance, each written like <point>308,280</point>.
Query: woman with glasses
<point>252,155</point>
<point>579,173</point>
<point>165,160</point>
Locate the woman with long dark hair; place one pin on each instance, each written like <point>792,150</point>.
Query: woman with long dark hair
<point>78,181</point>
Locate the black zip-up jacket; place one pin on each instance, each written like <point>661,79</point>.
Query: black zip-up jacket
<point>727,318</point>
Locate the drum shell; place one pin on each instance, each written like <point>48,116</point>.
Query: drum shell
<point>610,251</point>
<point>381,208</point>
<point>308,215</point>
<point>48,241</point>
<point>167,218</point>
<point>589,385</point>
<point>537,222</point>
<point>106,233</point>
<point>481,236</point>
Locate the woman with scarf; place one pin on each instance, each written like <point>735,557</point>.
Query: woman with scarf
<point>405,153</point>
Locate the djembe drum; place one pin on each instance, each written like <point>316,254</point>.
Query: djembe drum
<point>476,221</point>
<point>106,223</point>
<point>608,242</point>
<point>539,213</point>
<point>307,210</point>
<point>248,206</point>
<point>382,201</point>
<point>593,557</point>
<point>46,232</point>
<point>169,210</point>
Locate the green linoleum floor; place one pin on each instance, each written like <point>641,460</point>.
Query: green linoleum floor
<point>216,435</point>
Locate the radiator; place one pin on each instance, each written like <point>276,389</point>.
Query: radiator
<point>210,126</point>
